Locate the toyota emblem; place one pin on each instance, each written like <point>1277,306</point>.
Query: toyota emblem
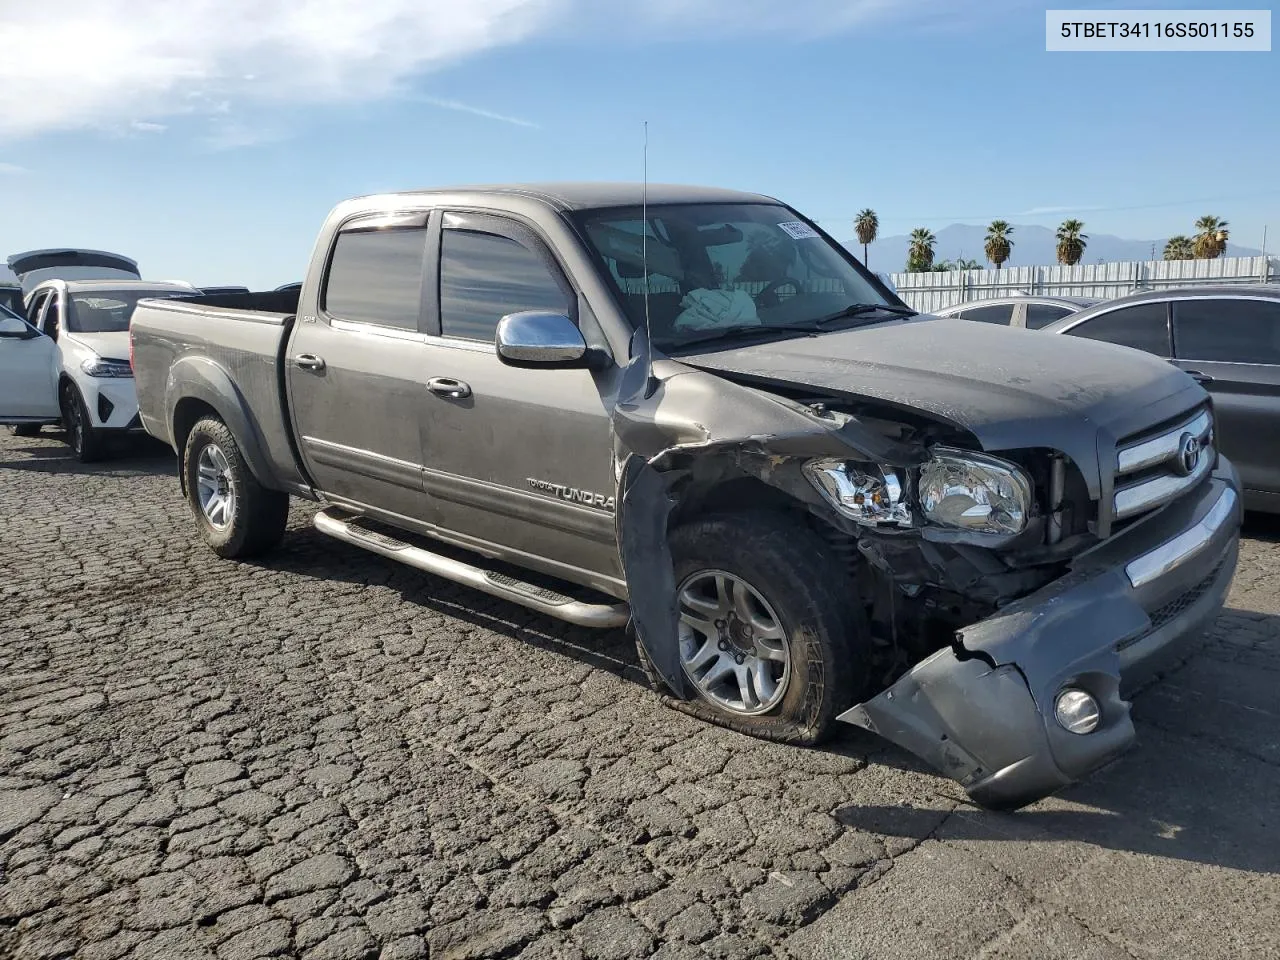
<point>1188,454</point>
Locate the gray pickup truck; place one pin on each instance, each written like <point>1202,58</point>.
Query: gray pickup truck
<point>690,411</point>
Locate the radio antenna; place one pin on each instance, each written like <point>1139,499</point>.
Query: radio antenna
<point>644,258</point>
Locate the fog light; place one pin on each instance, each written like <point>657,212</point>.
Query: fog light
<point>1077,711</point>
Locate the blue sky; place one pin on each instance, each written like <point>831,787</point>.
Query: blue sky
<point>210,147</point>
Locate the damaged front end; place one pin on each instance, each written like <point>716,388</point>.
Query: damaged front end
<point>1003,641</point>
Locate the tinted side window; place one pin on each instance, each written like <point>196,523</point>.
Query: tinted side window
<point>375,276</point>
<point>1001,313</point>
<point>1042,314</point>
<point>1229,331</point>
<point>483,277</point>
<point>1143,326</point>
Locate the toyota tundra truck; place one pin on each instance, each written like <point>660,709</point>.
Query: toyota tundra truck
<point>690,412</point>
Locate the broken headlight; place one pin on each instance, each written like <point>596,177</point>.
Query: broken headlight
<point>864,492</point>
<point>974,492</point>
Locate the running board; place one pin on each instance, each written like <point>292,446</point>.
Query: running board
<point>495,584</point>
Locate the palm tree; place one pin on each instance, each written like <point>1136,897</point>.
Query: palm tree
<point>868,225</point>
<point>1180,248</point>
<point>920,251</point>
<point>1211,237</point>
<point>998,246</point>
<point>963,264</point>
<point>1071,242</point>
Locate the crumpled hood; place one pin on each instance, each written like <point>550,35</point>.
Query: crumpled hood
<point>1009,388</point>
<point>114,345</point>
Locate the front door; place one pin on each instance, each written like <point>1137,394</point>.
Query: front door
<point>1232,345</point>
<point>516,458</point>
<point>355,368</point>
<point>28,387</point>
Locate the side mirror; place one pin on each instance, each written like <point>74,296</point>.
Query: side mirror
<point>11,328</point>
<point>539,338</point>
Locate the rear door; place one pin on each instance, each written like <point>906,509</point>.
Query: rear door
<point>1001,313</point>
<point>355,371</point>
<point>1141,326</point>
<point>1232,345</point>
<point>517,458</point>
<point>1038,315</point>
<point>28,387</point>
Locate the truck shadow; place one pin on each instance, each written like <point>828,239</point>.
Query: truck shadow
<point>1199,786</point>
<point>1177,795</point>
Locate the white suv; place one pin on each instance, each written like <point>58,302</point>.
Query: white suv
<point>88,321</point>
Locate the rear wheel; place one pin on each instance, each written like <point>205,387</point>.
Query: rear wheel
<point>770,643</point>
<point>86,443</point>
<point>25,429</point>
<point>235,514</point>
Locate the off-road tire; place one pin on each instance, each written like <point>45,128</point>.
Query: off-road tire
<point>87,444</point>
<point>812,595</point>
<point>25,429</point>
<point>259,515</point>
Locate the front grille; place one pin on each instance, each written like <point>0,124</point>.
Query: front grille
<point>1162,616</point>
<point>1160,465</point>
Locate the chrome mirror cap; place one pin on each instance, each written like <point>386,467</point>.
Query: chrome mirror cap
<point>539,337</point>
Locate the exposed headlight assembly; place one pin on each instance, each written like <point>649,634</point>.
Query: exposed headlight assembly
<point>968,491</point>
<point>864,492</point>
<point>105,367</point>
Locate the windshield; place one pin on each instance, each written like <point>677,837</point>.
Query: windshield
<point>107,312</point>
<point>725,268</point>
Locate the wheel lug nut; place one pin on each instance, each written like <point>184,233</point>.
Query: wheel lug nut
<point>739,659</point>
<point>720,624</point>
<point>724,644</point>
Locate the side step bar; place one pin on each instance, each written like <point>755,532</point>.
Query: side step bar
<point>495,584</point>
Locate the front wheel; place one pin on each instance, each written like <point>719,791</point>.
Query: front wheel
<point>86,443</point>
<point>235,514</point>
<point>771,641</point>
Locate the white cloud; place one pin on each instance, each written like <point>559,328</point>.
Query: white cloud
<point>146,126</point>
<point>476,111</point>
<point>120,59</point>
<point>11,169</point>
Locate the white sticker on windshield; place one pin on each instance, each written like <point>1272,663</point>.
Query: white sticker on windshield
<point>798,230</point>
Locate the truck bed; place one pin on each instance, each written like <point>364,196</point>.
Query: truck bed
<point>226,353</point>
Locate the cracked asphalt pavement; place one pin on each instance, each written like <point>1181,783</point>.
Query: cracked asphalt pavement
<point>329,755</point>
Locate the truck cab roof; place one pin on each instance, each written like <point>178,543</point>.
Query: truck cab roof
<point>591,195</point>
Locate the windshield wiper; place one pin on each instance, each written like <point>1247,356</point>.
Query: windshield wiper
<point>858,309</point>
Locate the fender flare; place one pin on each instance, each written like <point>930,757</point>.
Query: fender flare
<point>199,378</point>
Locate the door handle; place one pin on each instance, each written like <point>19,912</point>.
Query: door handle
<point>309,361</point>
<point>1198,377</point>
<point>449,387</point>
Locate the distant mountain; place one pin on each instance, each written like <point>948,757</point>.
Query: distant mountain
<point>1032,245</point>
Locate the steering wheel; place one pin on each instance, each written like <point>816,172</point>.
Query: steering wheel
<point>768,297</point>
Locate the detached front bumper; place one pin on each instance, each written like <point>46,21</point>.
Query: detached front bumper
<point>982,712</point>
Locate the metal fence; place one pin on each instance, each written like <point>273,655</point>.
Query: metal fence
<point>933,291</point>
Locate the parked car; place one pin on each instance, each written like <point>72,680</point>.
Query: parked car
<point>1228,338</point>
<point>27,378</point>
<point>289,288</point>
<point>1026,311</point>
<point>11,297</point>
<point>87,323</point>
<point>70,263</point>
<point>217,290</point>
<point>708,419</point>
